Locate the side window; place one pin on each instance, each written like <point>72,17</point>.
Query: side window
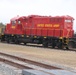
<point>68,21</point>
<point>19,22</point>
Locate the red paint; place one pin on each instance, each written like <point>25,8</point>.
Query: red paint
<point>58,26</point>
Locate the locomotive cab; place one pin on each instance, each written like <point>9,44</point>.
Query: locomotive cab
<point>16,26</point>
<point>14,30</point>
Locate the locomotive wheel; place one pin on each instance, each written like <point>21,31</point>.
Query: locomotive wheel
<point>16,41</point>
<point>53,45</point>
<point>60,45</point>
<point>24,43</point>
<point>7,41</point>
<point>70,45</point>
<point>45,44</point>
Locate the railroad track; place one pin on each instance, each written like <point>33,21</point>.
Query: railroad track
<point>22,63</point>
<point>31,45</point>
<point>74,49</point>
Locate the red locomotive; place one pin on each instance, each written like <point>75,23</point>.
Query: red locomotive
<point>46,30</point>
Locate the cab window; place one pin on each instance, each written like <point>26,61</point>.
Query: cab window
<point>13,22</point>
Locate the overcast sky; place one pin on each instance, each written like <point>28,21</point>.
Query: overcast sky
<point>12,8</point>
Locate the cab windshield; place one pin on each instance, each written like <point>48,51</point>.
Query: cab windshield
<point>13,22</point>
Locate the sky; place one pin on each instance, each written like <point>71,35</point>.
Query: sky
<point>12,8</point>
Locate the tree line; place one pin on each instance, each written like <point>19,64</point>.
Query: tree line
<point>2,25</point>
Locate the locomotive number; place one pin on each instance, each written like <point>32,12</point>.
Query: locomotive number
<point>13,27</point>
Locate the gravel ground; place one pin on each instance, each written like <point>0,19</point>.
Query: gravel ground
<point>6,69</point>
<point>65,58</point>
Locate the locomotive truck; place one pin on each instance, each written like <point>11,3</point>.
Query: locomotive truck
<point>54,31</point>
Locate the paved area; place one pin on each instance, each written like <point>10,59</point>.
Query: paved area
<point>65,58</point>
